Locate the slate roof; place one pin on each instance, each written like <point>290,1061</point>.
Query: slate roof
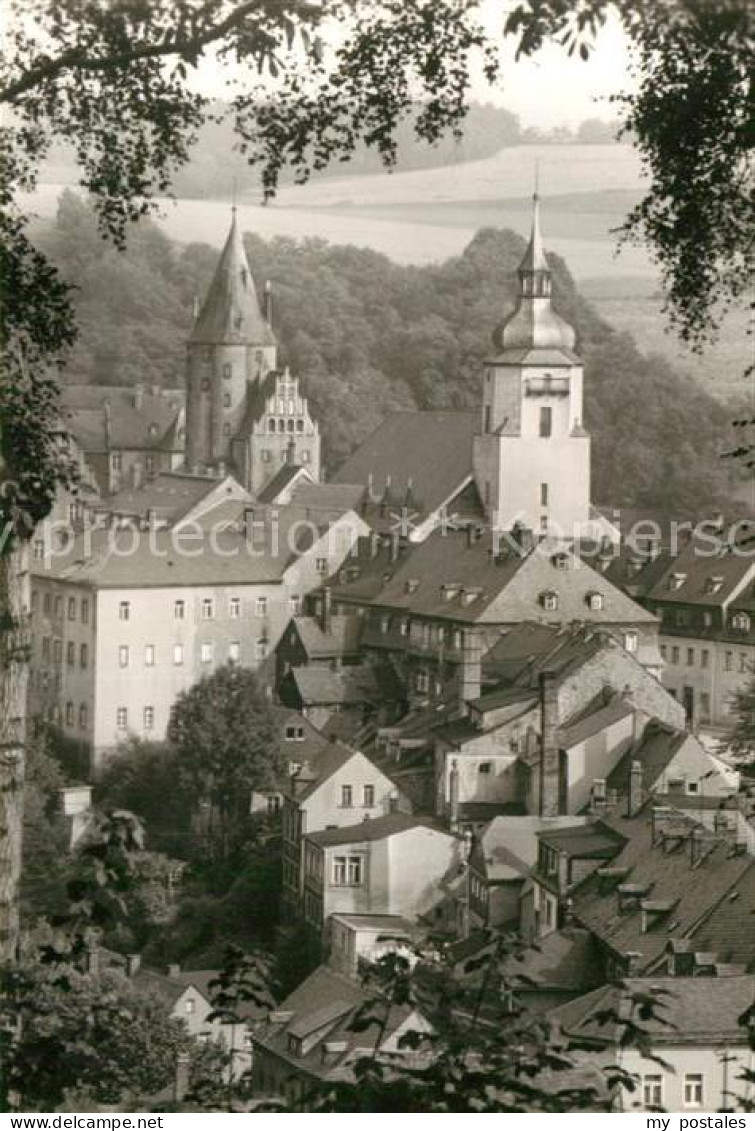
<point>508,847</point>
<point>350,685</point>
<point>593,841</point>
<point>591,722</point>
<point>328,497</point>
<point>280,481</point>
<point>146,424</point>
<point>428,454</point>
<point>729,930</point>
<point>668,874</point>
<point>343,636</point>
<point>328,1000</point>
<point>231,312</point>
<point>506,589</point>
<point>325,761</point>
<point>655,751</point>
<point>689,1011</point>
<point>697,567</point>
<point>567,959</point>
<point>130,559</point>
<point>171,495</point>
<point>375,829</point>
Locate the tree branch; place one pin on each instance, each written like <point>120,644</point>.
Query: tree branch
<point>79,59</point>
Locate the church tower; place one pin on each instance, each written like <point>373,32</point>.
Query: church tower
<point>531,453</point>
<point>241,411</point>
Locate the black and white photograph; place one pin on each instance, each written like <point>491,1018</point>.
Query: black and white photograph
<point>377,561</point>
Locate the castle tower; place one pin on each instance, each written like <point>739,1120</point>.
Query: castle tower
<point>231,346</point>
<point>531,453</point>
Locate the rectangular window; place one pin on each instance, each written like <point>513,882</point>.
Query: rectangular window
<point>123,656</point>
<point>265,455</point>
<point>69,714</point>
<point>124,610</point>
<point>72,608</point>
<point>295,605</point>
<point>70,653</point>
<point>674,655</point>
<point>58,606</point>
<point>178,654</point>
<point>705,706</point>
<point>207,608</point>
<point>664,650</point>
<point>261,606</point>
<point>261,648</point>
<point>83,716</point>
<point>46,648</point>
<point>121,718</point>
<point>234,608</point>
<point>705,658</point>
<point>57,651</point>
<point>149,718</point>
<point>369,797</point>
<point>47,604</point>
<point>652,1091</point>
<point>347,871</point>
<point>83,655</point>
<point>149,655</point>
<point>206,653</point>
<point>115,461</point>
<point>234,652</point>
<point>347,796</point>
<point>690,657</point>
<point>693,1089</point>
<point>305,456</point>
<point>543,494</point>
<point>321,565</point>
<point>546,421</point>
<point>744,663</point>
<point>85,610</point>
<point>729,661</point>
<point>179,610</point>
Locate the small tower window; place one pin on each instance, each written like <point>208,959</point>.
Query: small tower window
<point>543,494</point>
<point>546,421</point>
<point>299,425</point>
<point>227,370</point>
<point>226,400</point>
<point>281,425</point>
<point>290,425</point>
<point>271,425</point>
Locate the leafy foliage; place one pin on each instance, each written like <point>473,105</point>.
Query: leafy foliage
<point>741,739</point>
<point>225,738</point>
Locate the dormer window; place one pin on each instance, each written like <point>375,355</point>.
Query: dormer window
<point>676,580</point>
<point>549,601</point>
<point>740,622</point>
<point>713,584</point>
<point>412,585</point>
<point>595,602</point>
<point>560,561</point>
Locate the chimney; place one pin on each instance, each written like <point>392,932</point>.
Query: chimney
<point>395,545</point>
<point>470,676</point>
<point>133,962</point>
<point>181,1080</point>
<point>635,789</point>
<point>195,308</point>
<point>374,543</point>
<point>453,795</point>
<point>269,302</point>
<point>549,751</point>
<point>326,609</point>
<point>138,396</point>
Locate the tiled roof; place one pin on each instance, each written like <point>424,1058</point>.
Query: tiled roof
<point>377,829</point>
<point>346,685</point>
<point>729,929</point>
<point>667,873</point>
<point>325,762</point>
<point>504,589</point>
<point>655,750</point>
<point>688,1011</point>
<point>328,497</point>
<point>593,841</point>
<point>419,458</point>
<point>231,312</point>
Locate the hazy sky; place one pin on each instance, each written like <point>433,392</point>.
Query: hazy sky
<point>548,90</point>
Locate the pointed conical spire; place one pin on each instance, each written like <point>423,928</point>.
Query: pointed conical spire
<point>231,312</point>
<point>534,256</point>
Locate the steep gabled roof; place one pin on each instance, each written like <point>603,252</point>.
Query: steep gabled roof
<point>377,829</point>
<point>655,751</point>
<point>230,312</point>
<point>416,460</point>
<point>342,636</point>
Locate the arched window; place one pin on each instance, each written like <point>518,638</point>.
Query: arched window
<point>290,425</point>
<point>299,425</point>
<point>271,425</point>
<point>281,426</point>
